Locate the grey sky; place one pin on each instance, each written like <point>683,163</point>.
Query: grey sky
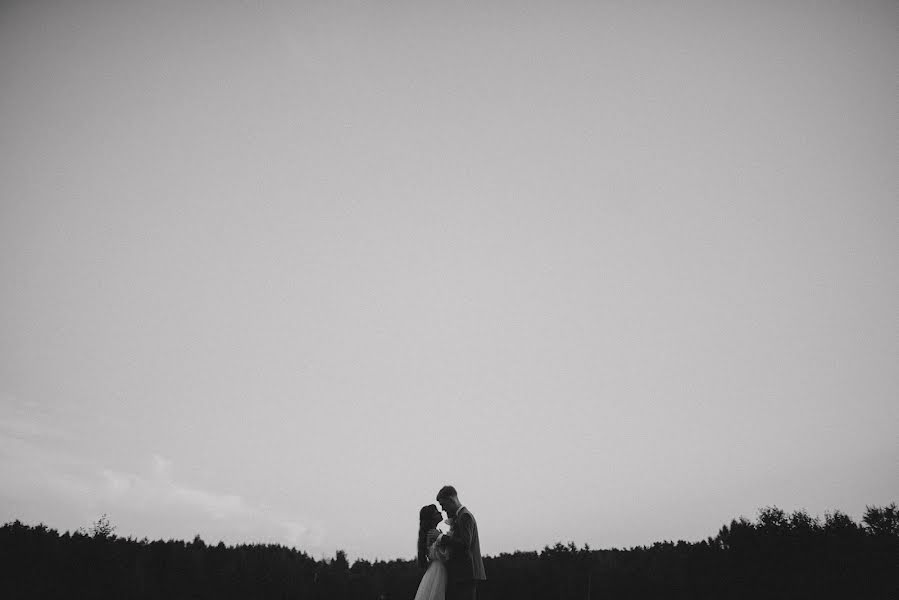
<point>278,271</point>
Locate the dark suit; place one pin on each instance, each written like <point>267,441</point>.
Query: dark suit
<point>465,566</point>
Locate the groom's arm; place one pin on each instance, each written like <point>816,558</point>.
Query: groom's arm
<point>462,533</point>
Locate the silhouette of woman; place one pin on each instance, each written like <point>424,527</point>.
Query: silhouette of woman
<point>433,583</point>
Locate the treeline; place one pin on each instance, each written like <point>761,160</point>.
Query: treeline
<point>778,555</point>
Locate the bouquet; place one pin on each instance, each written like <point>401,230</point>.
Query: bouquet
<point>441,551</point>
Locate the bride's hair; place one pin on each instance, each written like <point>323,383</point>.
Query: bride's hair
<point>426,516</point>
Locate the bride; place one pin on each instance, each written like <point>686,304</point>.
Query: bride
<point>433,584</point>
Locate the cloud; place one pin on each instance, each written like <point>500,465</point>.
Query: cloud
<point>48,478</point>
<point>28,420</point>
<point>159,492</point>
<point>159,489</point>
<point>39,456</point>
<point>23,428</point>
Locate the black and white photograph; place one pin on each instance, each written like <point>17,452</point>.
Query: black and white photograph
<point>449,299</point>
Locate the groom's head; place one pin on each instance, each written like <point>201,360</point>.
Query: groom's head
<point>449,500</point>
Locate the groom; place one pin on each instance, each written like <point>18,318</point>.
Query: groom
<point>465,567</point>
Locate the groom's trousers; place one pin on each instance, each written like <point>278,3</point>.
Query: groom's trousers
<point>462,590</point>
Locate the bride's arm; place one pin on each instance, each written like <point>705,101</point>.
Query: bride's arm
<point>432,537</point>
<point>431,540</point>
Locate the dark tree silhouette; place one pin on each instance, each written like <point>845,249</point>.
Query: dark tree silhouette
<point>778,556</point>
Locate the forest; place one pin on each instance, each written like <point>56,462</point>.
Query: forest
<point>777,555</point>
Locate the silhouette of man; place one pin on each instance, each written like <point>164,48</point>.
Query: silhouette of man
<point>465,566</point>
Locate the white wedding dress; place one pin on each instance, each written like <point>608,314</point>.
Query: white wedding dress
<point>433,584</point>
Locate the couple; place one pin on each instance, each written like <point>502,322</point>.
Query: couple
<point>453,559</point>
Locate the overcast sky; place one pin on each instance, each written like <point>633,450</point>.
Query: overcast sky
<point>277,271</point>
